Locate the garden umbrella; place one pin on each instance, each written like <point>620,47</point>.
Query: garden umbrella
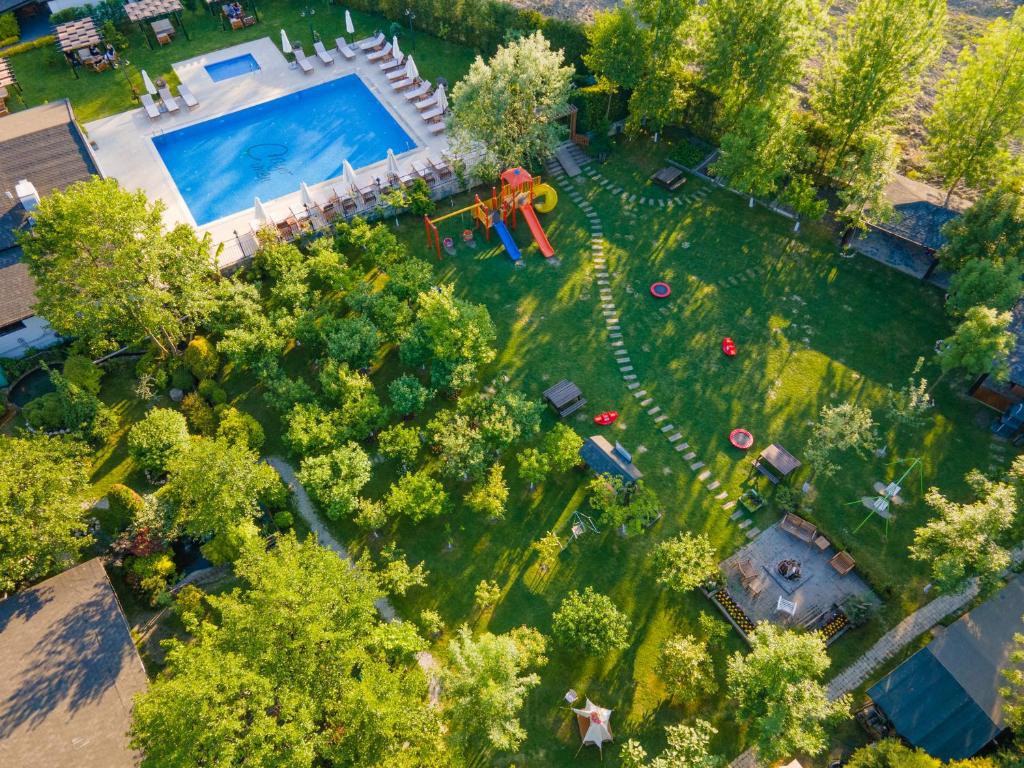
<point>349,26</point>
<point>286,46</point>
<point>392,164</point>
<point>307,196</point>
<point>350,176</point>
<point>441,98</point>
<point>147,82</point>
<point>262,217</point>
<point>395,51</point>
<point>410,69</point>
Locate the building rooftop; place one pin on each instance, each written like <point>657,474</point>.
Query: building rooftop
<point>602,457</point>
<point>70,672</point>
<point>17,293</point>
<point>920,212</point>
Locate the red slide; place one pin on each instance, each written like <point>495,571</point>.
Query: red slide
<point>537,231</point>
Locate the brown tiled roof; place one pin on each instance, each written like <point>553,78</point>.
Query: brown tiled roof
<point>17,293</point>
<point>70,672</point>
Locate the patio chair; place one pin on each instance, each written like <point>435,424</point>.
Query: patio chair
<point>170,103</point>
<point>322,53</point>
<point>152,110</point>
<point>301,60</point>
<point>422,171</point>
<point>187,96</point>
<point>754,588</point>
<point>378,55</point>
<point>843,563</point>
<point>441,168</point>
<point>392,63</point>
<point>373,43</point>
<point>746,570</point>
<point>344,49</point>
<point>416,93</point>
<point>396,74</point>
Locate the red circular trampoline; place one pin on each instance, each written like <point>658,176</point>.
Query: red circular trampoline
<point>741,438</point>
<point>660,290</point>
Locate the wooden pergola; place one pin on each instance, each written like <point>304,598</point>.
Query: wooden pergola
<point>142,11</point>
<point>7,77</point>
<point>73,36</point>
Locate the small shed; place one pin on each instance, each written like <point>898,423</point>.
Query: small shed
<point>776,463</point>
<point>606,459</point>
<point>565,398</point>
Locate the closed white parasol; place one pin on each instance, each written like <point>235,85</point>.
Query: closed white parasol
<point>349,26</point>
<point>147,82</point>
<point>286,46</point>
<point>410,69</point>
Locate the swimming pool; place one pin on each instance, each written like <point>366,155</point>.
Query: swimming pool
<point>239,65</point>
<point>267,150</point>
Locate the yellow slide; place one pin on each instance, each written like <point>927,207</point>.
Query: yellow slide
<point>545,198</point>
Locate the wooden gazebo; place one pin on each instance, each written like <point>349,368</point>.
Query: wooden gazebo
<point>7,79</point>
<point>776,463</point>
<point>565,398</point>
<point>142,11</point>
<point>73,36</point>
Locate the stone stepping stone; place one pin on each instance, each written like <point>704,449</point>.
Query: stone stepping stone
<point>617,343</point>
<point>746,523</point>
<point>722,495</point>
<point>713,484</point>
<point>752,533</point>
<point>613,327</point>
<point>626,368</point>
<point>660,418</point>
<point>608,312</point>
<point>730,505</point>
<point>736,515</point>
<point>614,335</point>
<point>634,385</point>
<point>630,377</point>
<point>690,455</point>
<point>704,475</point>
<point>608,306</point>
<point>682,447</point>
<point>623,360</point>
<point>648,401</point>
<point>654,410</point>
<point>603,282</point>
<point>668,427</point>
<point>661,203</point>
<point>675,437</point>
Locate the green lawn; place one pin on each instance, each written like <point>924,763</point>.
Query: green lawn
<point>45,76</point>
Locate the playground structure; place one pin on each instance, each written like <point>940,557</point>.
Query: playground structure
<point>521,195</point>
<point>885,495</point>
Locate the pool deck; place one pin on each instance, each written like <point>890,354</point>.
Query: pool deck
<point>124,148</point>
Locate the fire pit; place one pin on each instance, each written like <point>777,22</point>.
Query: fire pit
<point>789,569</point>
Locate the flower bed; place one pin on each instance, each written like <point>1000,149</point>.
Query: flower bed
<point>732,612</point>
<point>834,626</point>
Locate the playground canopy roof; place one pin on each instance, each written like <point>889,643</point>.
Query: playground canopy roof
<point>945,698</point>
<point>140,10</point>
<point>516,177</point>
<point>602,457</point>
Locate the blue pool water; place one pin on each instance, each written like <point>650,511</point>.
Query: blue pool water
<point>266,151</point>
<point>239,65</point>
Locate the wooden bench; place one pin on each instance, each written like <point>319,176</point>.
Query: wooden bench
<point>843,563</point>
<point>797,526</point>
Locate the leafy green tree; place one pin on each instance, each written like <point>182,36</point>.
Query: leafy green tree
<point>107,273</point>
<point>199,414</point>
<point>201,358</point>
<point>488,497</point>
<point>685,561</point>
<point>843,427</point>
<point>778,692</point>
<point>872,71</point>
<point>562,448</point>
<point>509,106</point>
<point>757,149</point>
<point>370,514</point>
<point>688,747</point>
<point>400,442</point>
<point>41,515</point>
<point>533,466</point>
<point>487,594</point>
<point>890,753</point>
<point>605,493</point>
<point>548,549</point>
<point>359,411</point>
<point>992,229</point>
<point>409,277</point>
<point>452,336</point>
<point>485,685</point>
<point>407,395</point>
<point>967,540</point>
<point>638,508</point>
<point>981,282</point>
<point>294,668</point>
<point>981,343</point>
<point>336,478</point>
<point>862,175</point>
<point>214,485</point>
<point>590,622</point>
<point>395,575</point>
<point>979,108</point>
<point>353,340</point>
<point>83,372</point>
<point>239,427</point>
<point>909,404</point>
<point>685,667</point>
<point>161,434</point>
<point>376,244</point>
<point>417,495</point>
<point>311,429</point>
<point>613,53</point>
<point>462,450</point>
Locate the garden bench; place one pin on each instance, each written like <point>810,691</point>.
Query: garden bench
<point>798,527</point>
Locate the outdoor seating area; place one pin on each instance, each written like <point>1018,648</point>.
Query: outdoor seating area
<point>785,576</point>
<point>80,41</point>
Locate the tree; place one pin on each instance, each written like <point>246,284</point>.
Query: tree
<point>353,340</point>
<point>311,429</point>
<point>965,541</point>
<point>909,404</point>
<point>489,496</point>
<point>685,561</point>
<point>107,273</point>
<point>562,448</point>
<point>685,668</point>
<point>533,466</point>
<point>214,485</point>
<point>407,395</point>
<point>1013,691</point>
<point>548,549</point>
<point>157,437</point>
<point>843,427</point>
<point>509,107</point>
<point>41,516</point>
<point>294,668</point>
<point>399,442</point>
<point>487,594</point>
<point>981,282</point>
<point>991,229</point>
<point>982,343</point>
<point>778,692</point>
<point>590,622</point>
<point>688,747</point>
<point>201,358</point>
<point>613,53</point>
<point>872,71</point>
<point>757,150</point>
<point>395,575</point>
<point>417,495</point>
<point>605,492</point>
<point>485,685</point>
<point>240,428</point>
<point>336,478</point>
<point>890,753</point>
<point>979,108</point>
<point>359,412</point>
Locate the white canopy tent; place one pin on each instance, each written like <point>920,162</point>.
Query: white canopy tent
<point>595,725</point>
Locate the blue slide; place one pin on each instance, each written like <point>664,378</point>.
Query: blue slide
<point>506,238</point>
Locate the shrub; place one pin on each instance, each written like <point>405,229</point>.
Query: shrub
<point>284,520</point>
<point>9,27</point>
<point>212,391</point>
<point>199,414</point>
<point>201,358</point>
<point>590,621</point>
<point>685,561</point>
<point>125,503</point>
<point>276,497</point>
<point>431,622</point>
<point>182,379</point>
<point>159,436</point>
<point>81,371</point>
<point>31,45</point>
<point>153,365</point>
<point>113,35</point>
<point>45,412</point>
<point>407,394</point>
<point>238,427</point>
<point>420,202</point>
<point>596,107</point>
<point>191,607</point>
<point>150,574</point>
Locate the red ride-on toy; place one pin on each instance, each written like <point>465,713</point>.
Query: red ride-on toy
<point>729,347</point>
<point>606,418</point>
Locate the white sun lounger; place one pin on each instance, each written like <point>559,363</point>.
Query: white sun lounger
<point>396,74</point>
<point>187,96</point>
<point>392,63</point>
<point>421,170</point>
<point>150,106</point>
<point>429,103</point>
<point>344,49</point>
<point>301,60</point>
<point>432,114</point>
<point>322,53</point>
<point>170,103</point>
<point>378,55</point>
<point>437,127</point>
<point>416,93</point>
<point>400,84</point>
<point>372,43</point>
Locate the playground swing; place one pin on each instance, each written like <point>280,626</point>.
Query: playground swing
<point>581,523</point>
<point>888,494</point>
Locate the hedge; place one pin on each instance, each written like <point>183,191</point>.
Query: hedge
<point>31,45</point>
<point>592,103</point>
<point>9,28</point>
